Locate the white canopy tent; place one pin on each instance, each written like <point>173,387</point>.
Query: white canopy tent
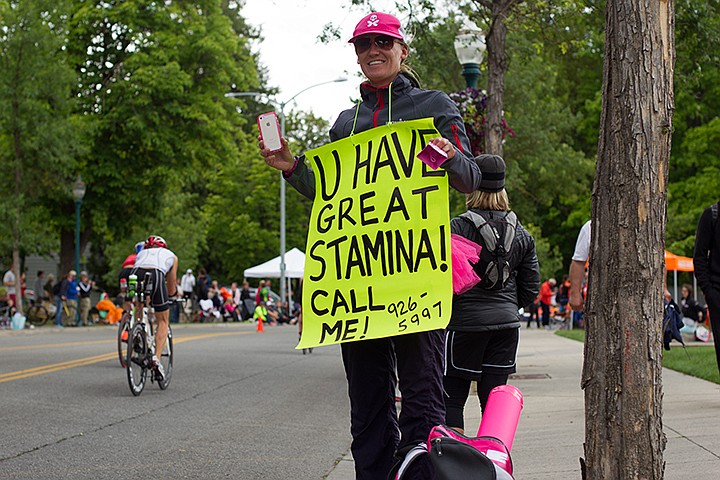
<point>294,267</point>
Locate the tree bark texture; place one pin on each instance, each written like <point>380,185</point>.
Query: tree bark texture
<point>622,372</point>
<point>497,65</point>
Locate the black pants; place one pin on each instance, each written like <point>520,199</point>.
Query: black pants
<point>377,431</point>
<point>712,297</point>
<point>545,307</point>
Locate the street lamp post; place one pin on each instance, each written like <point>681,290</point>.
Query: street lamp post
<point>78,192</point>
<point>282,180</point>
<point>470,50</point>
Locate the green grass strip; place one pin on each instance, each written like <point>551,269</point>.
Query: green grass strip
<point>697,361</point>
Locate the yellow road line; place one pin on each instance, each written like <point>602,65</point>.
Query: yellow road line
<point>80,362</point>
<point>54,367</point>
<point>53,345</point>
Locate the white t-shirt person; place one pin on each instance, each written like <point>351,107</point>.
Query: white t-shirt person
<point>577,267</point>
<point>9,282</point>
<point>187,284</point>
<point>582,245</point>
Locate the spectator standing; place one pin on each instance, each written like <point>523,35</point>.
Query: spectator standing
<point>245,291</point>
<point>482,337</point>
<point>265,292</point>
<point>258,292</point>
<point>563,293</point>
<point>38,289</point>
<point>534,310</point>
<point>547,290</point>
<point>48,287</point>
<point>60,296</point>
<point>9,283</point>
<point>71,299</point>
<point>203,284</point>
<point>391,93</point>
<point>245,313</point>
<point>706,261</point>
<point>187,283</point>
<point>85,286</point>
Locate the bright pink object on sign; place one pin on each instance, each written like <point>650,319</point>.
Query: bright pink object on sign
<point>432,156</point>
<point>502,414</point>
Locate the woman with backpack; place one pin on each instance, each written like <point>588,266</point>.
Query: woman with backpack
<point>482,337</point>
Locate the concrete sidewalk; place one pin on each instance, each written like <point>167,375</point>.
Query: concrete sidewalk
<point>550,436</point>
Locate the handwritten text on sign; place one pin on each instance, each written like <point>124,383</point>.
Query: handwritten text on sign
<point>378,260</point>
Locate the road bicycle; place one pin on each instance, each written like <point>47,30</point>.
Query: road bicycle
<point>141,340</point>
<point>37,314</point>
<point>124,326</point>
<point>6,313</point>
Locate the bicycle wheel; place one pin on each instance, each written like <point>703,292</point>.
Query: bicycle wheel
<point>38,315</point>
<point>166,360</point>
<point>137,359</point>
<point>122,338</point>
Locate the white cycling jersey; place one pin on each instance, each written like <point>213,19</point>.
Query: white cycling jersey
<point>159,258</point>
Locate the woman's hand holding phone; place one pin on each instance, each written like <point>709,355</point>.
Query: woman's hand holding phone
<point>273,147</point>
<point>281,159</point>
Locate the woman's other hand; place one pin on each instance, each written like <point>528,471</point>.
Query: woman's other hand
<point>281,160</point>
<point>445,145</point>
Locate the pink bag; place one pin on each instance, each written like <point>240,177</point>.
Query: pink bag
<point>485,457</point>
<point>457,457</point>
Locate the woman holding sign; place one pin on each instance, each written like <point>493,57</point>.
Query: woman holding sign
<point>391,94</point>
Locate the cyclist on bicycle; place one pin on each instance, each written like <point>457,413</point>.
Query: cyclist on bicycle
<point>129,262</point>
<point>162,264</point>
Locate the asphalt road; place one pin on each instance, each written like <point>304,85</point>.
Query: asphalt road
<point>241,405</point>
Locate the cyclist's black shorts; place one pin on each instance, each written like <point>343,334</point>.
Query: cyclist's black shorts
<point>159,294</point>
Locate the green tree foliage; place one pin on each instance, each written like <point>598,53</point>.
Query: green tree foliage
<point>39,138</point>
<point>244,215</point>
<point>152,78</point>
<point>694,176</point>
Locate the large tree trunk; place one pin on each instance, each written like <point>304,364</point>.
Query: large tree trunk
<point>622,373</point>
<point>67,252</point>
<point>497,64</point>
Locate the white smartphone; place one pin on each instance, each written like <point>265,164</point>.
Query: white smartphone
<point>270,131</point>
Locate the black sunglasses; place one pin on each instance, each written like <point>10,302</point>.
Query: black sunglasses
<point>383,42</point>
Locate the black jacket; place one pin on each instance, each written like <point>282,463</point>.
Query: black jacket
<point>479,309</point>
<point>706,256</point>
<point>408,103</point>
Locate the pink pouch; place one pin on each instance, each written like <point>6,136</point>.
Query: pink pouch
<point>432,156</point>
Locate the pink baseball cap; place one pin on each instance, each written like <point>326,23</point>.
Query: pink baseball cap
<point>380,23</point>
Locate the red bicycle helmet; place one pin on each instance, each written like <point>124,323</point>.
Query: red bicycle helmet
<point>155,241</point>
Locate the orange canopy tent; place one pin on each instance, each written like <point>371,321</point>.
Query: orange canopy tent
<point>676,263</point>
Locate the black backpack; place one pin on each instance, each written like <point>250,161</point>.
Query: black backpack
<point>497,233</point>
